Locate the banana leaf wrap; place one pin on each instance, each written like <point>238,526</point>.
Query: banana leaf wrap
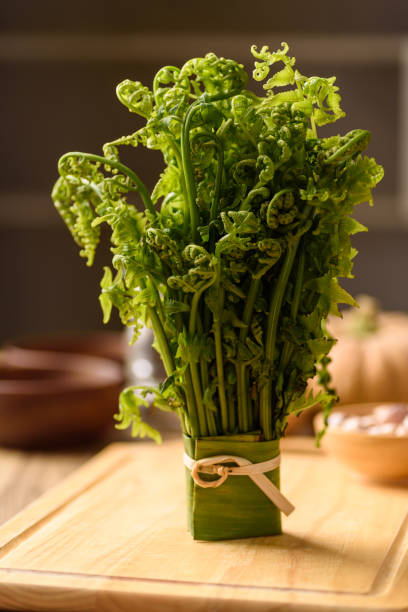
<point>237,508</point>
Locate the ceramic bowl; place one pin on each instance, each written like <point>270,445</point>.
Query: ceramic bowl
<point>69,398</point>
<point>374,457</point>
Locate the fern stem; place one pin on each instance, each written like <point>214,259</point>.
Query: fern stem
<point>167,357</point>
<point>212,425</point>
<point>141,187</point>
<point>191,405</point>
<point>215,204</point>
<point>242,392</point>
<point>272,325</point>
<point>188,169</point>
<point>162,341</point>
<point>198,399</point>
<point>219,361</point>
<point>287,347</point>
<point>276,299</point>
<point>186,157</point>
<point>193,366</point>
<point>177,155</point>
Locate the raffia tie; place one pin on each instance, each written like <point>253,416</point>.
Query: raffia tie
<point>255,471</point>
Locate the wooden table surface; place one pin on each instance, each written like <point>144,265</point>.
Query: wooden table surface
<point>25,475</point>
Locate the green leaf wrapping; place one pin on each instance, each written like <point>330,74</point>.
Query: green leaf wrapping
<point>238,508</point>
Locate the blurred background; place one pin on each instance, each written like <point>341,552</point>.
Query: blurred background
<point>60,64</point>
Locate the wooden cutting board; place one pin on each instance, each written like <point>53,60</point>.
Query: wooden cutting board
<point>112,537</point>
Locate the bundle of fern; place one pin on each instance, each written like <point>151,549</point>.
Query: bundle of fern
<point>235,258</point>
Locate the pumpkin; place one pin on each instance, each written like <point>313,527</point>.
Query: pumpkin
<point>369,361</point>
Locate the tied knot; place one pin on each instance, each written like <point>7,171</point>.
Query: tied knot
<point>217,469</point>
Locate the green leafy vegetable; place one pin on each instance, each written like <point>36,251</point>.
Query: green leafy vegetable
<point>234,260</point>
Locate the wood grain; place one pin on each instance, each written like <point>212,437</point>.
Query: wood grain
<point>114,537</point>
<point>24,476</point>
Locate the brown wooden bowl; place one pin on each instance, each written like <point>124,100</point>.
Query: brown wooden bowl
<point>375,457</point>
<point>32,350</point>
<point>69,399</point>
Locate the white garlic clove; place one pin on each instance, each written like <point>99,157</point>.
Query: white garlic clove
<point>401,431</point>
<point>351,423</point>
<point>336,419</point>
<point>390,413</point>
<point>384,429</point>
<point>367,421</point>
